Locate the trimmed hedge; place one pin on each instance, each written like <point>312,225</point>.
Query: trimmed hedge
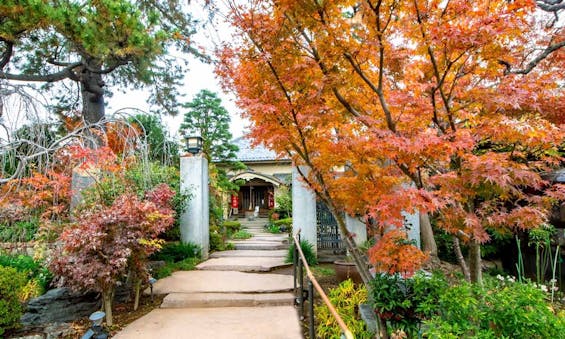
<point>232,226</point>
<point>11,284</point>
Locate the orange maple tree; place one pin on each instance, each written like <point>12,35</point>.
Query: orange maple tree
<point>408,106</point>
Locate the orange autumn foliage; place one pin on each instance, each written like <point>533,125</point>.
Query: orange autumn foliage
<point>393,253</point>
<point>407,105</point>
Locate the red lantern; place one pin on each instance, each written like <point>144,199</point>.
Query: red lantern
<point>234,201</point>
<point>271,200</point>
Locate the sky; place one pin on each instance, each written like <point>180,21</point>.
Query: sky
<point>200,76</point>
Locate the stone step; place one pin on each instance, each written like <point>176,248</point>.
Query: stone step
<point>266,238</point>
<point>243,264</point>
<point>218,323</point>
<point>200,300</point>
<point>249,253</point>
<point>260,245</point>
<point>222,282</point>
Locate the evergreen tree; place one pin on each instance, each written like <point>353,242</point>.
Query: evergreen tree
<point>209,119</point>
<point>94,45</point>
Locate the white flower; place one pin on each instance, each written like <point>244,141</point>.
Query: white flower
<point>543,288</point>
<point>499,277</point>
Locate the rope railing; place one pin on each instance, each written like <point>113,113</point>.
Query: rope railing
<point>312,282</point>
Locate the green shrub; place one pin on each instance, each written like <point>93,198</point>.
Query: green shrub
<point>284,225</point>
<point>32,269</point>
<point>232,226</point>
<point>11,284</point>
<point>174,252</point>
<point>19,231</point>
<point>346,299</point>
<point>218,240</point>
<point>501,309</point>
<point>242,234</point>
<point>272,228</point>
<point>308,251</point>
<point>402,303</point>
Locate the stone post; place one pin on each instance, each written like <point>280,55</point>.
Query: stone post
<point>82,178</point>
<point>194,221</point>
<point>412,226</point>
<point>358,228</point>
<point>304,209</point>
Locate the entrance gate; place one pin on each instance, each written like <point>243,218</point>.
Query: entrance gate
<point>328,233</point>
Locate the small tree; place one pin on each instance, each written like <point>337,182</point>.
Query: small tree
<point>107,240</point>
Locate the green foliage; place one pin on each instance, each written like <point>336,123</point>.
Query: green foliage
<point>402,303</point>
<point>218,240</point>
<point>175,252</point>
<point>160,148</point>
<point>278,226</point>
<point>232,226</point>
<point>208,118</point>
<point>284,225</point>
<point>540,239</point>
<point>272,228</point>
<point>502,308</point>
<point>19,231</point>
<point>308,251</point>
<point>146,176</point>
<point>187,264</point>
<point>11,284</point>
<point>33,270</point>
<point>284,202</point>
<point>242,234</point>
<point>346,299</point>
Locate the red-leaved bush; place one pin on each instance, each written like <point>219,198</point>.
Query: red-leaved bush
<point>108,242</point>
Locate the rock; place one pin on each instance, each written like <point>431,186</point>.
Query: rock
<point>58,306</point>
<point>31,336</point>
<point>60,330</point>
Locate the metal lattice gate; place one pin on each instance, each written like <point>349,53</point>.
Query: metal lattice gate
<point>328,232</point>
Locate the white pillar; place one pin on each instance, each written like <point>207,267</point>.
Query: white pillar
<point>412,226</point>
<point>194,221</point>
<point>358,228</point>
<point>304,209</point>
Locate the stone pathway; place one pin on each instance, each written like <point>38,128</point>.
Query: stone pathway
<point>226,297</point>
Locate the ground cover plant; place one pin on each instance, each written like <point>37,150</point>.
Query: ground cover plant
<point>346,299</point>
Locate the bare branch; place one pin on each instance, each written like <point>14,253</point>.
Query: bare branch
<point>551,5</point>
<point>65,73</point>
<point>532,64</point>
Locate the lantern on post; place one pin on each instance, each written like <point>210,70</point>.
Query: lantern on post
<point>193,144</point>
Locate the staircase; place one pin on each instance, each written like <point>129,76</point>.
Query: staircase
<point>230,295</point>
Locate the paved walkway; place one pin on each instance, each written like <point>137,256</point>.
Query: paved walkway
<point>227,297</point>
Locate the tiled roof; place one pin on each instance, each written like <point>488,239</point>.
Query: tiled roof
<point>247,152</point>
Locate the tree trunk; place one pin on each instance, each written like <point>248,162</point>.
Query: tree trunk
<point>460,258</point>
<point>358,258</point>
<point>92,90</point>
<point>427,237</point>
<point>107,297</point>
<point>475,262</point>
<point>137,288</point>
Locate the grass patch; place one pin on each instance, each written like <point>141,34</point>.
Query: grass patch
<point>322,272</point>
<point>187,264</point>
<point>242,234</point>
